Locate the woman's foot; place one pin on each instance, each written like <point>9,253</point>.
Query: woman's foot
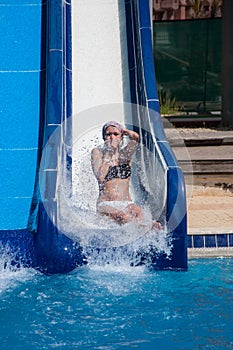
<point>156,225</point>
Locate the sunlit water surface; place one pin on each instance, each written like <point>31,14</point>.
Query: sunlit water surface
<point>118,308</point>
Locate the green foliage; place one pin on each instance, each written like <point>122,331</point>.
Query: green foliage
<point>168,104</point>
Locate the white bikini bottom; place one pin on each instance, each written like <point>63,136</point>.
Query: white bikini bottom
<point>121,205</point>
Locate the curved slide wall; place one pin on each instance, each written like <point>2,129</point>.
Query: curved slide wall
<point>144,92</point>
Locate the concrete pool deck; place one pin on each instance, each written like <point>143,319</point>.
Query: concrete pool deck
<point>210,215</point>
<point>210,210</point>
<point>209,189</point>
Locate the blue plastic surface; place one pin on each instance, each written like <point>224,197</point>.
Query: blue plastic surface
<point>20,87</point>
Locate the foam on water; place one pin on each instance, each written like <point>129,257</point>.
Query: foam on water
<point>11,272</point>
<point>121,308</point>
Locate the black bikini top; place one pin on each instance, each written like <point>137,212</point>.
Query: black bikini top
<point>122,171</point>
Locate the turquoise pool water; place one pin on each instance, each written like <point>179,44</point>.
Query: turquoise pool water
<point>119,308</point>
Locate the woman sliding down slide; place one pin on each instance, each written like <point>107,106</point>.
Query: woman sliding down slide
<point>112,168</point>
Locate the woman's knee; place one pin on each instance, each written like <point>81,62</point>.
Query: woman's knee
<point>134,210</point>
<point>122,218</point>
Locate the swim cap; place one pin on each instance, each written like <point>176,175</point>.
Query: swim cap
<point>112,123</point>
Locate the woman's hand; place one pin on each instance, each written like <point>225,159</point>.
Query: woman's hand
<point>108,149</point>
<point>132,135</point>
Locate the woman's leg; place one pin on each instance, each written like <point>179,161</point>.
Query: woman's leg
<point>134,211</point>
<point>120,216</point>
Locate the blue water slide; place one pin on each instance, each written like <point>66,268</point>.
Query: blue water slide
<point>35,79</point>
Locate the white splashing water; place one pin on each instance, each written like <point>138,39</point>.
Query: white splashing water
<point>12,274</point>
<point>103,240</point>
